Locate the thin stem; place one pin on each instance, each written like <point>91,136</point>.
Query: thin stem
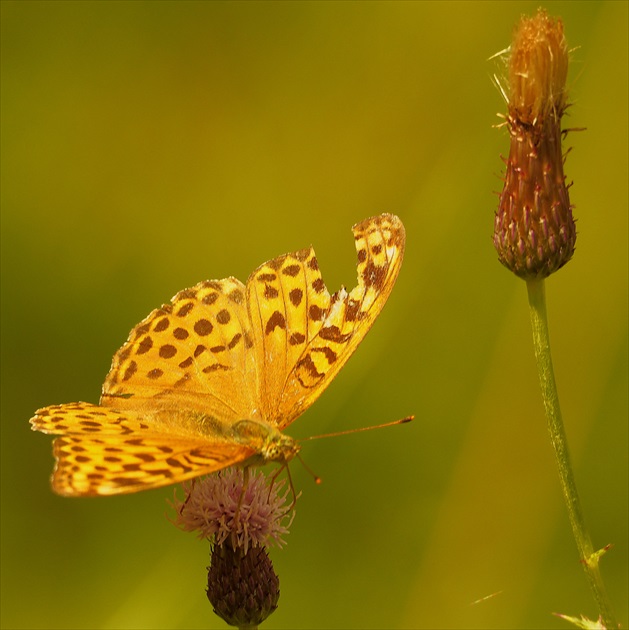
<point>541,342</point>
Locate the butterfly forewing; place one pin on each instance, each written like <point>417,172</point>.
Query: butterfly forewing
<point>287,301</point>
<point>303,341</point>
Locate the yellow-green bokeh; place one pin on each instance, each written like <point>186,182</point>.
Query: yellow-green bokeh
<point>148,146</point>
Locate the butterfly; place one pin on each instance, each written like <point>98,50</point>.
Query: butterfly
<point>211,379</point>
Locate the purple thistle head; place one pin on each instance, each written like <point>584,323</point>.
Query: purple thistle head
<point>241,514</point>
<point>216,507</point>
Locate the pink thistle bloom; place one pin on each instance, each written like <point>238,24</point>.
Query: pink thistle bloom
<point>216,507</point>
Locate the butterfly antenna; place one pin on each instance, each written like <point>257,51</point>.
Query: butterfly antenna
<point>376,426</point>
<point>316,478</point>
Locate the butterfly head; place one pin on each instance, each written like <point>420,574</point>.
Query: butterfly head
<point>269,444</point>
<point>280,448</point>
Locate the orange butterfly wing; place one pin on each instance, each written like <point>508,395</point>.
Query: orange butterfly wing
<point>302,335</point>
<point>103,451</point>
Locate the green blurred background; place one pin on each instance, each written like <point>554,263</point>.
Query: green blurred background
<point>148,146</point>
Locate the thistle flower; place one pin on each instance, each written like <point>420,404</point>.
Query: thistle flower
<point>243,587</point>
<point>217,509</point>
<point>534,231</point>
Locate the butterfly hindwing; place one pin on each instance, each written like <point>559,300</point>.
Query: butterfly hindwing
<point>103,451</point>
<point>194,352</point>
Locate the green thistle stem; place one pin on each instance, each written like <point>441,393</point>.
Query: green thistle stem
<point>541,342</point>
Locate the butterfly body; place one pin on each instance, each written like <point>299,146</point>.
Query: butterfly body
<point>269,444</point>
<point>211,379</point>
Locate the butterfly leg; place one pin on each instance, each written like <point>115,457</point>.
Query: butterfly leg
<point>290,482</point>
<point>292,487</point>
<point>188,495</point>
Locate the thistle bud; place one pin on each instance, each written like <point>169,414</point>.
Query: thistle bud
<point>242,585</point>
<point>534,231</point>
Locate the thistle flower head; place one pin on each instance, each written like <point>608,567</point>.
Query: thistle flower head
<point>241,513</point>
<point>534,230</point>
<point>217,508</point>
